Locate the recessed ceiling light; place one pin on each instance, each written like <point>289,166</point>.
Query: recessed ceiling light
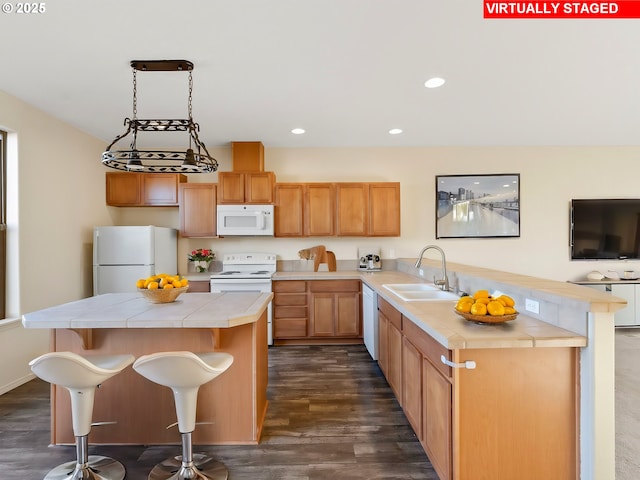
<point>298,131</point>
<point>434,82</point>
<point>395,131</point>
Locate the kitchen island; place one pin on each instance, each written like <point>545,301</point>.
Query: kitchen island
<point>232,407</point>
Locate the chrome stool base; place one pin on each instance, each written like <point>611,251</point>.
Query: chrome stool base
<point>202,467</point>
<point>97,468</point>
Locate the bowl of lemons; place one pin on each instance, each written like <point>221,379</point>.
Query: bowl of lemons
<point>162,288</point>
<point>481,307</point>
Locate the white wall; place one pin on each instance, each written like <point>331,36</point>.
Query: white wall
<point>549,176</point>
<point>56,195</point>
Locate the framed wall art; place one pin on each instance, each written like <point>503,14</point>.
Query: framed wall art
<point>478,206</point>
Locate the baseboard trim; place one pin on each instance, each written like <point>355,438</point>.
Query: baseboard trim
<point>16,383</point>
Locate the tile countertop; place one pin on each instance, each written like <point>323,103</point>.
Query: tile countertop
<point>131,310</point>
<point>440,321</point>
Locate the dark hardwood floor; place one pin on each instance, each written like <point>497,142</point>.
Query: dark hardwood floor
<point>331,416</point>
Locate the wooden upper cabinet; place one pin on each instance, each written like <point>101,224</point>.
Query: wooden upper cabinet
<point>130,189</point>
<point>258,187</point>
<point>319,210</point>
<point>161,188</point>
<point>352,212</point>
<point>247,156</point>
<point>198,210</point>
<point>368,209</point>
<point>384,209</point>
<point>304,210</point>
<point>124,189</point>
<point>230,187</point>
<point>342,209</point>
<point>245,187</point>
<point>288,210</point>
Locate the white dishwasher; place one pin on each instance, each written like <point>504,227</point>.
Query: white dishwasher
<point>370,320</point>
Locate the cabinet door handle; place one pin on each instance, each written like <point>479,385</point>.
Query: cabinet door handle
<point>470,364</point>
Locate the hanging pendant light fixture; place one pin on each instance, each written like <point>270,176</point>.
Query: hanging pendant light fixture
<point>195,159</point>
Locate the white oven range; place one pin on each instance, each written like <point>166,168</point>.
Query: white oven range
<point>247,272</point>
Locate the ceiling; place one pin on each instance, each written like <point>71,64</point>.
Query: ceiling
<point>347,71</point>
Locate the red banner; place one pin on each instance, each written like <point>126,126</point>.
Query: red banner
<point>562,9</point>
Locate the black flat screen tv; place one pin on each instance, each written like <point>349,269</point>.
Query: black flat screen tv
<point>605,229</point>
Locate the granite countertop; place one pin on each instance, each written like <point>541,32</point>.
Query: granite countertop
<point>438,319</point>
<point>131,310</point>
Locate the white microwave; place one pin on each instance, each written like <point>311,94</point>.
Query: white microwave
<point>245,220</point>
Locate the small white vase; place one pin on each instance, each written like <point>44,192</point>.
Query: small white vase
<point>201,265</point>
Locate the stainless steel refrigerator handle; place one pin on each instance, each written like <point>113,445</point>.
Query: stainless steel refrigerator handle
<point>470,364</point>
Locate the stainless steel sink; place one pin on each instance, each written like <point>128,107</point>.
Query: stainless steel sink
<point>419,292</point>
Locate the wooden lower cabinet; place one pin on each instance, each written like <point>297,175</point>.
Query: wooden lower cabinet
<point>196,286</point>
<point>437,421</point>
<point>513,416</point>
<point>335,308</point>
<point>516,414</point>
<point>335,315</point>
<point>411,389</point>
<point>390,345</point>
<point>395,359</point>
<point>290,310</point>
<point>316,310</point>
<point>383,342</point>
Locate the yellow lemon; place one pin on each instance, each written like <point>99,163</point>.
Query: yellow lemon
<point>153,286</point>
<point>481,294</point>
<point>463,306</point>
<point>140,283</point>
<point>478,309</point>
<point>184,282</point>
<point>484,300</point>
<point>495,308</point>
<point>506,300</point>
<point>176,284</point>
<point>167,286</point>
<point>509,310</point>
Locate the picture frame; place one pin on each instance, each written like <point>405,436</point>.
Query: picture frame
<point>478,206</point>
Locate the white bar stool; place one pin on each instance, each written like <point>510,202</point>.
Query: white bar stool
<point>81,375</point>
<point>184,373</point>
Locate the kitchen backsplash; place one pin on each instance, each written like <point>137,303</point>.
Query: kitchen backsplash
<point>341,265</point>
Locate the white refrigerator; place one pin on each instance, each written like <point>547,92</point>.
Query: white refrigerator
<point>123,254</point>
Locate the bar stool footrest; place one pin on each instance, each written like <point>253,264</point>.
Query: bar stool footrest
<point>203,468</point>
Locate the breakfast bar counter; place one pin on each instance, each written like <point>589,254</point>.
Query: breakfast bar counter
<point>232,407</point>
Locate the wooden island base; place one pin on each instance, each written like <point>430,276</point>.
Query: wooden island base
<point>234,403</point>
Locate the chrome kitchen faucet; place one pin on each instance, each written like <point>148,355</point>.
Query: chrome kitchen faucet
<point>444,282</point>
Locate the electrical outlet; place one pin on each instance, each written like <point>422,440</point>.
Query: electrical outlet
<point>532,306</point>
